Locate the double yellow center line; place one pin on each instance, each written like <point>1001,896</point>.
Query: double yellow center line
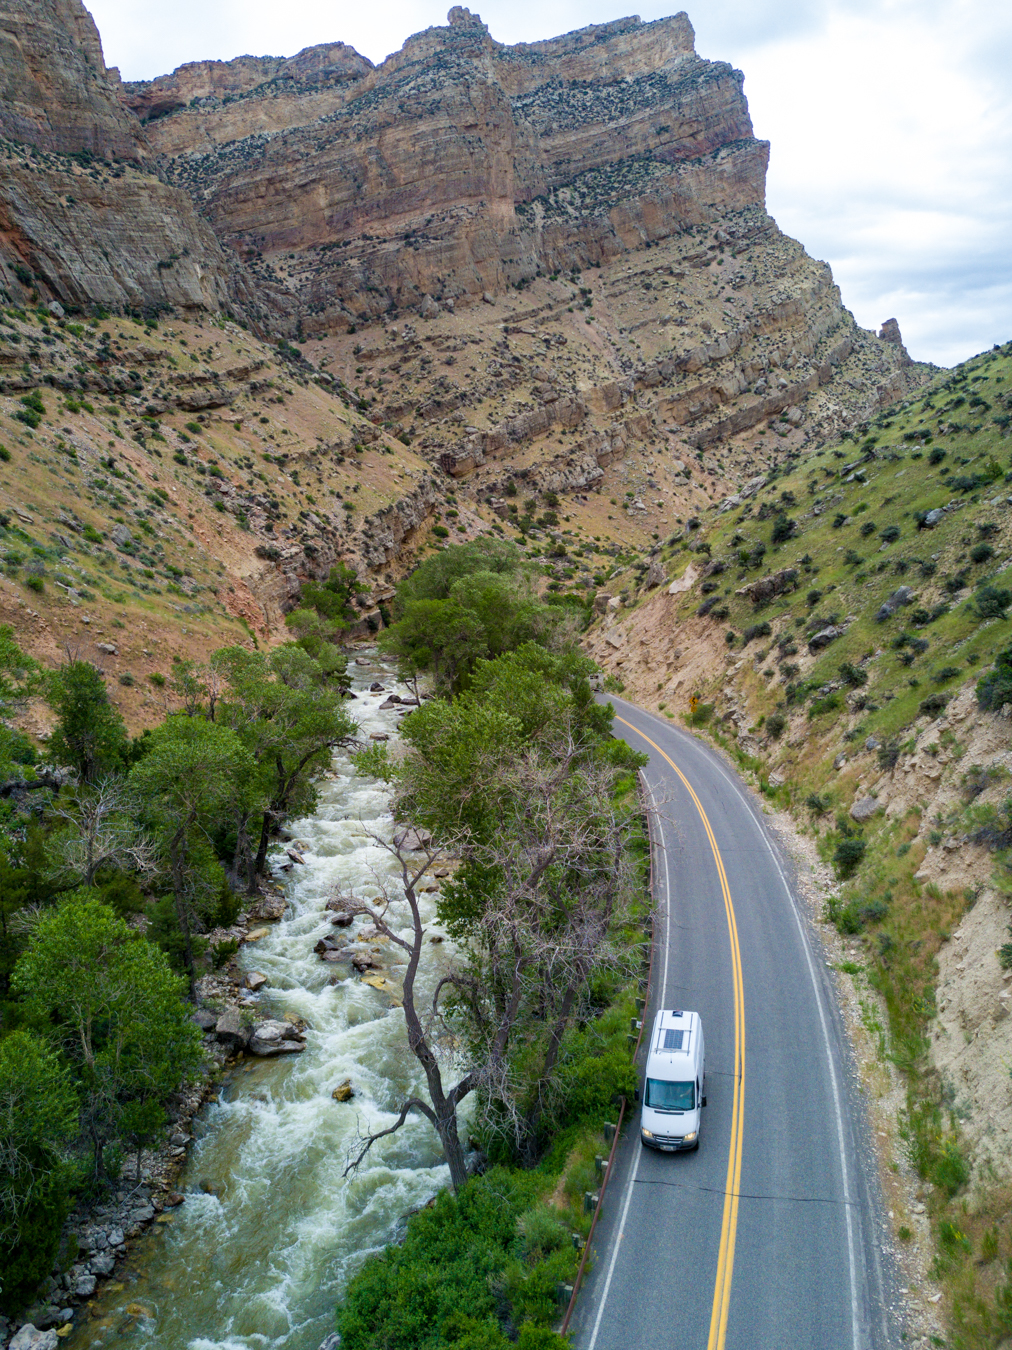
<point>729,1223</point>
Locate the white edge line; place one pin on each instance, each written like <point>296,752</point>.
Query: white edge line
<point>854,1302</point>
<point>639,1146</point>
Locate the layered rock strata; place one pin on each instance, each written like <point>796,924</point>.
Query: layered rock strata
<point>85,220</point>
<point>459,166</point>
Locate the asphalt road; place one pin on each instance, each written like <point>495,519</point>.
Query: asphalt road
<point>768,1237</point>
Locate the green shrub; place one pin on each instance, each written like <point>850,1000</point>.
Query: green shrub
<point>5,454</point>
<point>853,675</point>
<point>991,602</point>
<point>755,630</point>
<point>775,724</point>
<point>995,688</point>
<point>783,529</point>
<point>828,703</point>
<point>440,531</point>
<point>980,553</point>
<point>35,583</point>
<point>849,854</point>
<point>933,704</point>
<point>444,1284</point>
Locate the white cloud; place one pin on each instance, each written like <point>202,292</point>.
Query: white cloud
<point>890,123</point>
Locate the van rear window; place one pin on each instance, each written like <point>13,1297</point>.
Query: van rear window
<point>664,1096</point>
<point>673,1040</point>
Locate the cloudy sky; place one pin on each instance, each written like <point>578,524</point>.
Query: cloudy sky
<point>890,123</point>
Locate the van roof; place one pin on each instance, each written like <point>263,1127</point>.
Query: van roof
<point>674,1035</point>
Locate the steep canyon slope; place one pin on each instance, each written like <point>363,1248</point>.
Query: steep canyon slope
<point>541,277</point>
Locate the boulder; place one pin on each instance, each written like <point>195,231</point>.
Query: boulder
<point>270,907</point>
<point>378,736</point>
<point>766,588</point>
<point>412,841</point>
<point>231,1030</point>
<point>933,517</point>
<point>825,636</point>
<point>864,809</point>
<point>205,1019</point>
<point>102,1263</point>
<point>903,595</point>
<point>31,1338</point>
<point>296,857</point>
<point>116,1237</point>
<point>254,980</point>
<point>122,536</point>
<point>84,1288</point>
<point>276,1038</point>
<point>332,1342</point>
<point>344,1091</point>
<point>428,308</point>
<point>256,934</point>
<point>108,648</point>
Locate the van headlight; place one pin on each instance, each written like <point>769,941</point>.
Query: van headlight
<point>647,1134</point>
<point>690,1137</point>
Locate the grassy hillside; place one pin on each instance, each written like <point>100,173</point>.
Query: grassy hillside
<point>845,682</point>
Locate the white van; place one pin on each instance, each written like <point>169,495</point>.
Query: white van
<point>675,1087</point>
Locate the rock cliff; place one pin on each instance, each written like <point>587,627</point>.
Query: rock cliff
<point>459,166</point>
<point>85,219</point>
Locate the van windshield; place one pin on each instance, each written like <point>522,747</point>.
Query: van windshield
<point>664,1096</point>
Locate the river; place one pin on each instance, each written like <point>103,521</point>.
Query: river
<point>261,1260</point>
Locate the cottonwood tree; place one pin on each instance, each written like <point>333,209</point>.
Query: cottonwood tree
<point>114,1008</point>
<point>289,717</point>
<point>89,735</point>
<point>194,774</point>
<point>38,1118</point>
<point>536,910</point>
<point>98,832</point>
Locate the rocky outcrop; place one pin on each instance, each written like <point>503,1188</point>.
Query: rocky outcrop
<point>82,220</point>
<point>55,91</point>
<point>459,166</point>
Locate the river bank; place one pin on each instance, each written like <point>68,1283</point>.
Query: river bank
<point>245,1230</point>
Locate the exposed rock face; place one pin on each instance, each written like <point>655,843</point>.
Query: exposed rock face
<point>462,166</point>
<point>55,91</point>
<point>82,221</point>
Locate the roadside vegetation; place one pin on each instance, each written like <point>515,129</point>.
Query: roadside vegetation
<point>117,856</point>
<point>512,773</point>
<point>857,594</point>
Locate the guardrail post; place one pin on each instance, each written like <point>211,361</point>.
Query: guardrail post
<point>609,1131</point>
<point>640,1007</point>
<point>590,1199</point>
<point>563,1293</point>
<point>599,1165</point>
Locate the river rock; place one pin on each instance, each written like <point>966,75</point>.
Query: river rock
<point>378,736</point>
<point>271,907</point>
<point>343,919</point>
<point>231,1030</point>
<point>336,954</point>
<point>296,857</point>
<point>363,961</point>
<point>254,980</point>
<point>31,1338</point>
<point>116,1237</point>
<point>326,944</point>
<point>332,1342</point>
<point>84,1288</point>
<point>276,1038</point>
<point>205,1019</point>
<point>102,1263</point>
<point>344,1091</point>
<point>376,688</point>
<point>392,701</point>
<point>412,841</point>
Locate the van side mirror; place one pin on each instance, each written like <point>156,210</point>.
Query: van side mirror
<point>636,1095</point>
<point>703,1102</point>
